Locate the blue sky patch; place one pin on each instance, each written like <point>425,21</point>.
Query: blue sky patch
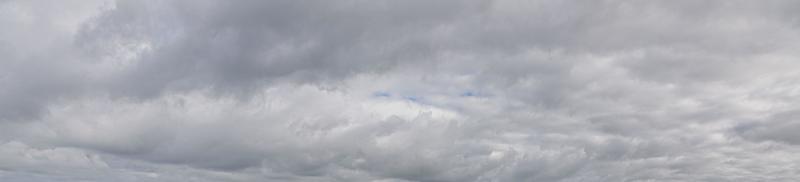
<point>381,94</point>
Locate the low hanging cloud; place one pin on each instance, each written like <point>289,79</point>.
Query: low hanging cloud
<point>442,90</point>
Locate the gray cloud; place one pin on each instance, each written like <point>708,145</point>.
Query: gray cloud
<point>439,90</point>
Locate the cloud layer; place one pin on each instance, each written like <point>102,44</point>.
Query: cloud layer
<point>442,90</point>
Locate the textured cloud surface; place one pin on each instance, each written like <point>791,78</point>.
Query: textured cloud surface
<point>393,91</point>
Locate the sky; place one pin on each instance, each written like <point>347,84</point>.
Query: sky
<point>399,91</point>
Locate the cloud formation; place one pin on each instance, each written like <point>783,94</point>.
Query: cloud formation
<point>442,90</point>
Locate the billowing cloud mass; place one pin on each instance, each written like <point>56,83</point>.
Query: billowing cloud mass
<point>395,91</point>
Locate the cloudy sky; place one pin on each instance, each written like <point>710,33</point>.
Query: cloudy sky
<point>399,91</point>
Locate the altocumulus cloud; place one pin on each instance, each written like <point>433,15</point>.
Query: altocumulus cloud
<point>392,91</point>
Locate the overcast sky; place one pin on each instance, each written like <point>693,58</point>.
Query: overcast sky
<point>399,90</point>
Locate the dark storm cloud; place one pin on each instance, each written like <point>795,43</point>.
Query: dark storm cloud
<point>438,90</point>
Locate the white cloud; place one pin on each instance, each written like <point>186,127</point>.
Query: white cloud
<point>440,90</point>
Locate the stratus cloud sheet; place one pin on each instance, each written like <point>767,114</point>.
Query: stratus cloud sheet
<point>393,91</point>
